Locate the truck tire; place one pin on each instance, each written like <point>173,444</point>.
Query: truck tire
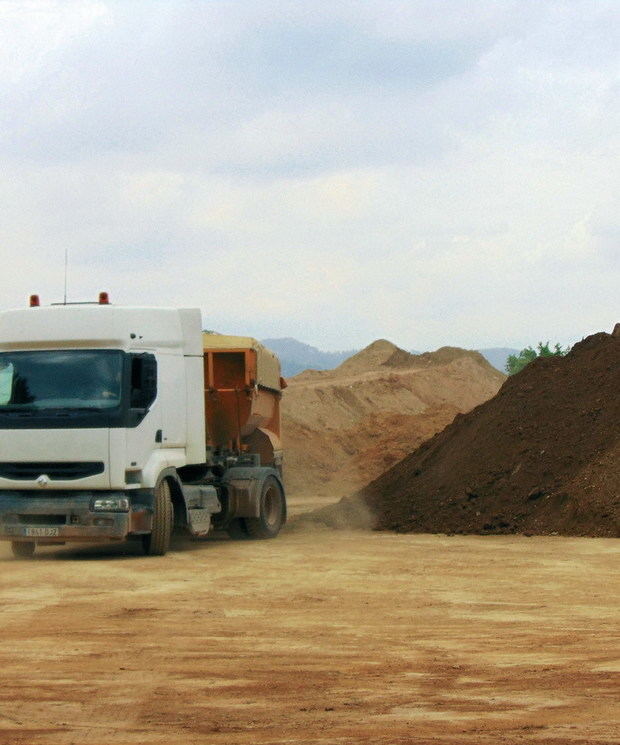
<point>23,549</point>
<point>158,540</point>
<point>272,511</point>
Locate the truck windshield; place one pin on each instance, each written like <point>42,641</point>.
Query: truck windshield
<point>81,379</point>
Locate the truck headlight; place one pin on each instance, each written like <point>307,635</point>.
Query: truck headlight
<point>110,504</point>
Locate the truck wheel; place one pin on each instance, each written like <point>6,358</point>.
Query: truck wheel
<point>158,541</point>
<point>272,511</point>
<point>23,549</point>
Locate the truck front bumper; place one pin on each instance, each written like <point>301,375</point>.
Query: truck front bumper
<point>67,516</point>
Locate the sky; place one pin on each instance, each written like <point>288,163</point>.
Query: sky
<point>431,172</point>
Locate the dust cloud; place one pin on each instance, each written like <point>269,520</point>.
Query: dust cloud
<point>348,514</point>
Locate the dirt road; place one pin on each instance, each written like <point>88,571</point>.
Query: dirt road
<point>317,637</point>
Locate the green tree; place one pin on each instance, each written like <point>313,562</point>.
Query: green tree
<point>516,362</point>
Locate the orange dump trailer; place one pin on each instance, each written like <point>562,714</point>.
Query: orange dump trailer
<point>243,388</point>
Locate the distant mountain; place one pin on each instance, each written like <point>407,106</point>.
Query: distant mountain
<point>295,356</point>
<point>497,356</point>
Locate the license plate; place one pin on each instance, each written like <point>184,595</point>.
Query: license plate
<point>40,532</point>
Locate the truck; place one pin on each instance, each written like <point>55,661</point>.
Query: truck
<point>131,423</point>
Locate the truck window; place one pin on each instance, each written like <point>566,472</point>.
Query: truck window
<point>143,380</point>
<point>67,379</point>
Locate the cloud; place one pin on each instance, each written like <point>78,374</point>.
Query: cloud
<point>431,172</point>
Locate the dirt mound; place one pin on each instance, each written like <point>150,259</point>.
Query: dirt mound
<point>445,355</point>
<point>542,456</point>
<point>344,427</point>
<point>383,353</point>
<point>378,353</point>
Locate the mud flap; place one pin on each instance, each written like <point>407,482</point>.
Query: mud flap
<point>202,502</point>
<point>198,522</point>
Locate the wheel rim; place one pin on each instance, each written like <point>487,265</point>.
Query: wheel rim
<point>272,506</point>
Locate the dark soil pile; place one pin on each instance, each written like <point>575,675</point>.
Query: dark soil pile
<point>541,457</point>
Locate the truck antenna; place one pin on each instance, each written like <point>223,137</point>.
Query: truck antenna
<point>66,266</point>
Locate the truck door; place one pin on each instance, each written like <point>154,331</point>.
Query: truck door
<point>131,448</point>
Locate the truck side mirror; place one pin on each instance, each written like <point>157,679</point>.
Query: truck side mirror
<point>143,380</point>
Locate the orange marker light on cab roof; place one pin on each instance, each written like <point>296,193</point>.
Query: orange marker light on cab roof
<point>104,298</point>
<point>34,301</point>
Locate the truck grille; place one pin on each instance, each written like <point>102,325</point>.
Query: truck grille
<point>56,471</point>
<point>43,519</point>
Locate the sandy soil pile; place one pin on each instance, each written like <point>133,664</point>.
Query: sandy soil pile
<point>543,456</point>
<point>344,427</point>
